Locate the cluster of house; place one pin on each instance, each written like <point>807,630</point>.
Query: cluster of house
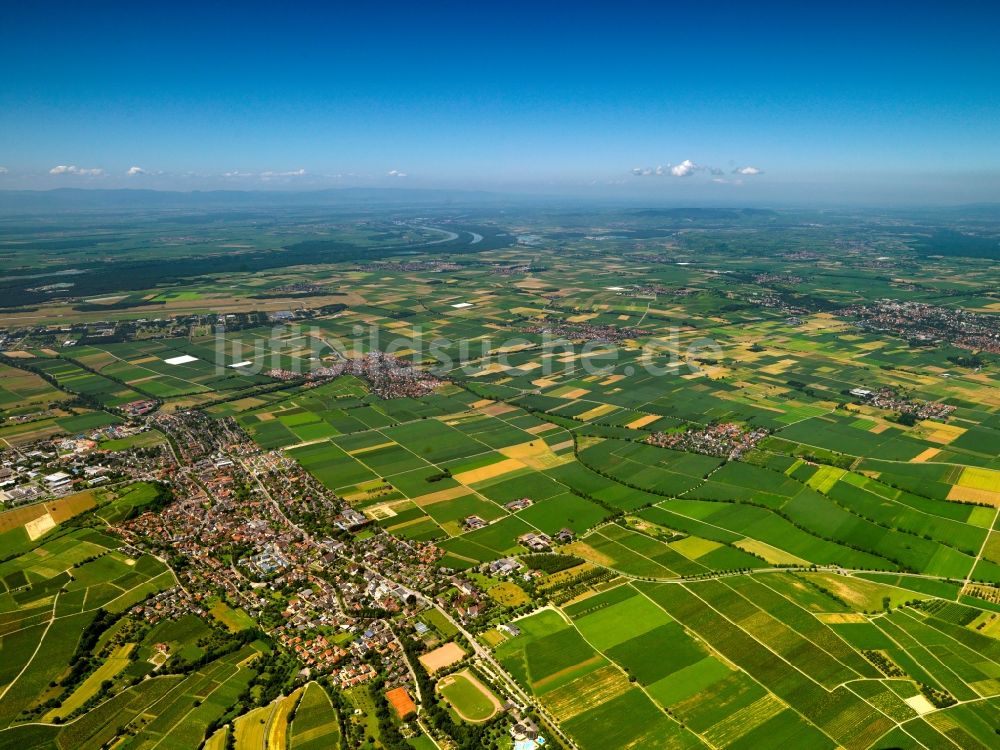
<point>417,563</point>
<point>410,266</point>
<point>387,376</point>
<point>928,324</point>
<point>214,511</point>
<point>585,331</point>
<point>536,541</point>
<point>887,398</point>
<point>802,256</point>
<point>506,566</point>
<point>167,605</point>
<point>317,652</point>
<point>510,270</point>
<point>468,601</point>
<point>769,299</point>
<point>777,278</point>
<point>725,440</point>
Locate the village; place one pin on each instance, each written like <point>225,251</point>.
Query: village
<point>725,440</point>
<point>927,324</point>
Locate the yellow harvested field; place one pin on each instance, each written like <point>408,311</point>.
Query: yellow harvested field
<point>738,723</point>
<point>597,411</point>
<point>508,594</point>
<point>926,455</point>
<point>635,424</point>
<point>525,450</point>
<point>277,726</point>
<point>585,692</point>
<point>980,479</point>
<point>920,704</point>
<point>973,495</point>
<point>584,550</point>
<point>251,728</point>
<point>72,505</point>
<point>535,454</point>
<point>942,434</point>
<point>771,554</point>
<point>488,472</point>
<point>574,393</point>
<point>612,379</point>
<point>491,368</point>
<point>440,496</point>
<point>442,656</point>
<point>493,638</point>
<point>218,740</point>
<point>39,526</point>
<point>367,448</point>
<point>778,367</point>
<point>840,618</point>
<point>694,547</point>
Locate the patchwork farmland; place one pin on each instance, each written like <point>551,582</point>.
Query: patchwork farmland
<point>660,483</point>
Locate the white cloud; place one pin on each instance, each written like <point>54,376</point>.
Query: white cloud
<point>237,173</point>
<point>688,167</point>
<point>4,170</point>
<point>72,169</point>
<point>396,173</point>
<point>295,173</point>
<point>685,169</point>
<point>133,171</point>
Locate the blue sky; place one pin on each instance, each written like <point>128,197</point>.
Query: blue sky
<point>840,101</point>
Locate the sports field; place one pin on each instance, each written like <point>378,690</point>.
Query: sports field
<point>470,699</point>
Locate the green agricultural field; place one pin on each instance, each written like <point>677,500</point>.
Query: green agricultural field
<point>315,725</point>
